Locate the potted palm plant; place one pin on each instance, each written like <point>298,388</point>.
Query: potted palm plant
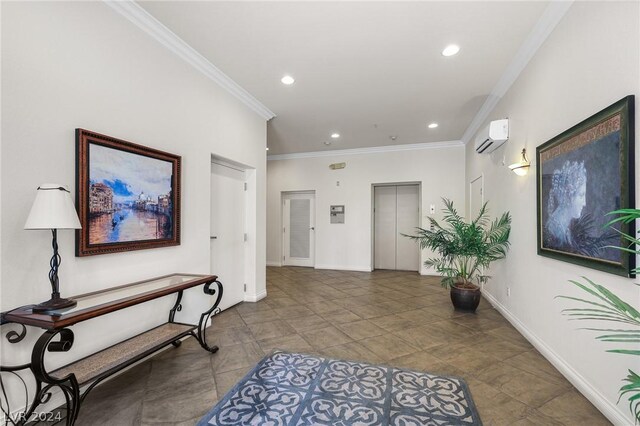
<point>463,250</point>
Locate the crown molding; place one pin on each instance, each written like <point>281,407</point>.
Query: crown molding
<point>163,35</point>
<point>551,16</point>
<point>368,150</point>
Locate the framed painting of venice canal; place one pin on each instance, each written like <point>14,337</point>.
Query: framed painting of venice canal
<point>127,195</point>
<point>583,174</point>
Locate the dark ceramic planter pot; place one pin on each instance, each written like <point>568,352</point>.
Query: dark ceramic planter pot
<point>465,299</point>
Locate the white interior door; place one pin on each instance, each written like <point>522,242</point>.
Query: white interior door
<point>396,212</point>
<point>407,220</point>
<point>476,196</point>
<point>298,229</point>
<point>384,214</point>
<point>227,237</point>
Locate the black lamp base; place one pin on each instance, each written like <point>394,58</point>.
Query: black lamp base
<point>54,304</point>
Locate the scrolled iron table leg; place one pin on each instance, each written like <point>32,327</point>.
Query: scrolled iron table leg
<point>201,334</point>
<point>20,418</point>
<point>40,396</point>
<point>177,307</point>
<point>68,385</point>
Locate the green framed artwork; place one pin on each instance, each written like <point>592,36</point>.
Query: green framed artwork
<point>583,174</point>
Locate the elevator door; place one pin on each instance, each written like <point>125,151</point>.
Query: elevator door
<point>396,212</point>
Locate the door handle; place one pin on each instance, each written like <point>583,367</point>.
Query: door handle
<point>213,237</point>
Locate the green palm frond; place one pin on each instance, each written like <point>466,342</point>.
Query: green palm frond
<point>604,305</point>
<point>624,216</point>
<point>607,307</point>
<point>620,338</point>
<point>586,313</point>
<point>625,351</point>
<point>632,388</point>
<point>603,317</point>
<point>612,303</point>
<point>482,218</point>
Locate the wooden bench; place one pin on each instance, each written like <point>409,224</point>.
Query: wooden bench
<point>119,356</point>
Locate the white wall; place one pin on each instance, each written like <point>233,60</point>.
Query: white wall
<point>348,246</point>
<point>80,64</point>
<point>590,61</point>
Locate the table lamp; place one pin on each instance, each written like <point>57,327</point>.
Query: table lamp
<point>53,209</point>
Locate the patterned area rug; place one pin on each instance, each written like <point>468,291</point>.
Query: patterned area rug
<point>297,389</point>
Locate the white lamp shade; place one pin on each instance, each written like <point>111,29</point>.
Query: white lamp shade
<point>52,209</point>
<point>520,170</point>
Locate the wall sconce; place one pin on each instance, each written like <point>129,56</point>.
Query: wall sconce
<point>521,168</point>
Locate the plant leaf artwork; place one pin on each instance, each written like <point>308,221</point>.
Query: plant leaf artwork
<point>583,173</point>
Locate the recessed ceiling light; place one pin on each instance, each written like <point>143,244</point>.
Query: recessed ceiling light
<point>335,135</point>
<point>451,50</point>
<point>432,125</point>
<point>327,143</point>
<point>288,80</point>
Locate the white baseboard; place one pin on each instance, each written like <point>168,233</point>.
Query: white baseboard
<point>255,297</point>
<point>344,268</point>
<point>270,263</point>
<point>606,407</point>
<point>428,271</point>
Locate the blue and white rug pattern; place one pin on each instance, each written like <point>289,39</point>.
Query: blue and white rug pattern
<point>297,389</point>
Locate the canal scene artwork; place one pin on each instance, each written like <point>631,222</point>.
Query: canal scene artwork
<point>128,194</point>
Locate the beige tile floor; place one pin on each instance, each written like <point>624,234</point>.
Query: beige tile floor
<point>396,318</point>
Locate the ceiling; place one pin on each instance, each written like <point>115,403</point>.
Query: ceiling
<point>369,71</point>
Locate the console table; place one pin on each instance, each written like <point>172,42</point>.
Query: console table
<point>87,372</point>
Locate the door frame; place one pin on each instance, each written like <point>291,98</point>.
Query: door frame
<point>250,225</point>
<point>481,178</point>
<point>373,219</point>
<point>470,204</point>
<point>287,195</point>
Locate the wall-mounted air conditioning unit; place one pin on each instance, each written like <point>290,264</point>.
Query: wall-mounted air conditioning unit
<point>493,136</point>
